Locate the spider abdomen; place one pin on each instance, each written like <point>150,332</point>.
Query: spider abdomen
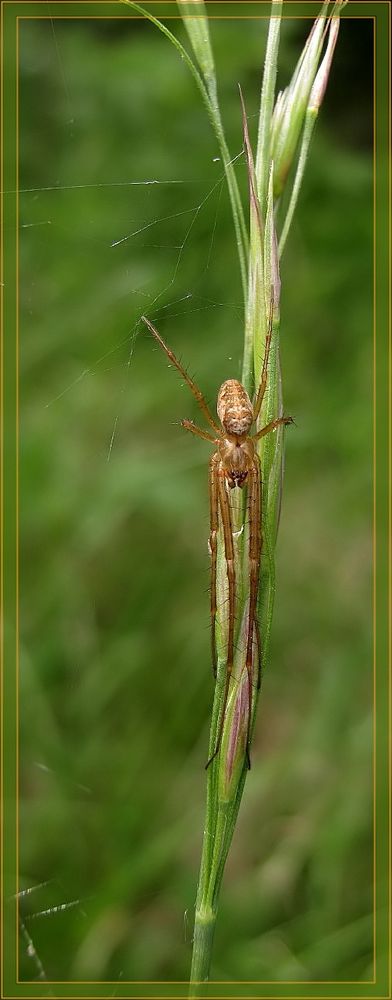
<point>234,408</point>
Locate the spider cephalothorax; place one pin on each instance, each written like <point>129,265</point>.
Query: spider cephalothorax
<point>234,463</point>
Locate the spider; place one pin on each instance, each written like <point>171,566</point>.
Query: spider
<point>234,464</point>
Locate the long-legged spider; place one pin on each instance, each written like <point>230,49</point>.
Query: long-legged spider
<point>234,463</point>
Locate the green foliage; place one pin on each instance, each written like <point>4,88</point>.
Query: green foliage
<point>114,562</point>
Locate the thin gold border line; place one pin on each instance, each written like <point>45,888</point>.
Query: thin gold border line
<point>163,982</point>
<point>2,496</point>
<point>374,501</point>
<point>390,505</point>
<point>108,3</point>
<point>17,490</point>
<point>251,982</point>
<point>184,996</point>
<point>214,982</point>
<point>179,982</point>
<point>173,17</point>
<point>390,509</point>
<point>218,996</point>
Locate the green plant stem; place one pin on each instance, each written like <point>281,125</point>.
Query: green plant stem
<point>267,103</point>
<point>236,205</point>
<point>205,919</point>
<point>262,165</point>
<point>310,120</point>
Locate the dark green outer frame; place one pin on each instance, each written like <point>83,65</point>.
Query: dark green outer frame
<point>381,986</point>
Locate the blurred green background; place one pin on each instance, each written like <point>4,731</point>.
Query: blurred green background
<point>116,682</point>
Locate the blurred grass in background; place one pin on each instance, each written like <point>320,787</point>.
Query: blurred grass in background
<point>114,565</point>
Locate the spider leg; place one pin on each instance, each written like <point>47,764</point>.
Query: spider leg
<point>271,427</point>
<point>255,543</point>
<point>213,542</point>
<point>263,380</point>
<point>188,425</point>
<point>189,381</point>
<point>225,511</point>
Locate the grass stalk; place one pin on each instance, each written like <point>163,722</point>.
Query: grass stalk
<point>310,121</point>
<point>267,101</point>
<point>203,939</point>
<point>316,96</point>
